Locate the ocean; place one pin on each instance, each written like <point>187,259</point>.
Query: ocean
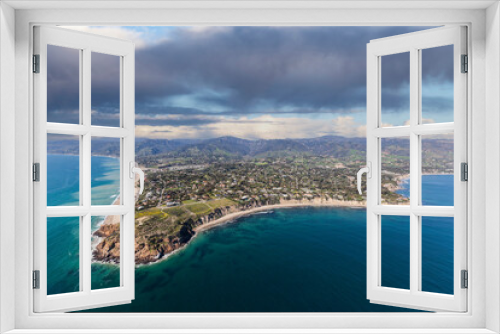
<point>63,233</point>
<point>289,260</point>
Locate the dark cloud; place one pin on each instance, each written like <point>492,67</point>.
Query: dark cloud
<point>437,69</point>
<point>63,86</point>
<point>437,64</point>
<point>184,121</point>
<point>433,105</point>
<point>105,74</point>
<point>235,71</point>
<point>168,110</point>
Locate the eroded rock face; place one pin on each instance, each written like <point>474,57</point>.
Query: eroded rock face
<point>106,230</point>
<point>108,250</point>
<point>154,245</point>
<point>147,249</point>
<point>218,213</point>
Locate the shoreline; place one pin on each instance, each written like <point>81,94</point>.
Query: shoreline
<point>108,220</point>
<point>235,215</point>
<point>316,202</point>
<point>290,204</point>
<point>114,219</point>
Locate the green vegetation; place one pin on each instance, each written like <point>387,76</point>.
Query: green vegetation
<point>175,211</point>
<point>199,208</point>
<point>221,202</point>
<point>193,184</point>
<point>153,212</point>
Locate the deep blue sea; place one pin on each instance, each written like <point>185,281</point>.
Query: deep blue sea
<point>289,260</point>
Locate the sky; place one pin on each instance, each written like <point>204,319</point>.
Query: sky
<point>250,82</point>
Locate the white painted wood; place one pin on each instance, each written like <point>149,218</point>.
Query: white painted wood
<point>85,169</point>
<point>418,129</point>
<point>95,210</point>
<point>413,43</point>
<point>433,129</point>
<point>415,172</point>
<point>260,331</point>
<point>419,210</point>
<point>87,44</point>
<point>7,167</point>
<point>471,322</point>
<point>492,164</point>
<point>393,131</point>
<point>248,4</point>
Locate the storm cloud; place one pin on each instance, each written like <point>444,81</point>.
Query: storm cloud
<point>236,72</point>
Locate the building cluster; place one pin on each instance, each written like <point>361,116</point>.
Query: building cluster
<point>264,180</point>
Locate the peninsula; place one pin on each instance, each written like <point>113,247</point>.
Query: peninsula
<point>204,184</point>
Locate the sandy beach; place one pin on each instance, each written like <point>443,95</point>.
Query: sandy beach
<point>116,218</point>
<point>284,204</point>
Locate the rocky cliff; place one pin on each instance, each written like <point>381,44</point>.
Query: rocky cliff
<point>156,235</point>
<point>159,232</point>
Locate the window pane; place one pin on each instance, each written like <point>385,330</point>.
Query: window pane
<point>437,84</point>
<point>395,92</point>
<point>63,255</point>
<point>63,85</point>
<point>437,170</point>
<point>105,89</point>
<point>437,254</point>
<point>105,171</point>
<point>63,170</point>
<point>105,252</point>
<point>395,172</point>
<point>396,251</point>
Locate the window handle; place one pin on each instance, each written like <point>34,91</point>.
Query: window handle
<point>368,171</point>
<point>136,170</point>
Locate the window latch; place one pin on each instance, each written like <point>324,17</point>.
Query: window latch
<point>136,170</point>
<point>368,171</point>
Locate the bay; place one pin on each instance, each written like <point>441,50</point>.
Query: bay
<point>289,260</point>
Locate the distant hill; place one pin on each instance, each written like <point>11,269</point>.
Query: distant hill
<point>220,147</point>
<point>146,147</point>
<point>277,147</point>
<point>261,148</point>
<point>336,146</point>
<point>237,148</point>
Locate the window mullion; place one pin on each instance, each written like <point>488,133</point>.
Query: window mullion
<point>415,176</point>
<point>85,181</point>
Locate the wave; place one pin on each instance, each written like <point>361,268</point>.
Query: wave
<point>263,212</point>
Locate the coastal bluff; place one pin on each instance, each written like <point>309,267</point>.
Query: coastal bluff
<point>161,231</point>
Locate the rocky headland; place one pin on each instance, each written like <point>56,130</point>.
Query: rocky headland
<point>159,232</point>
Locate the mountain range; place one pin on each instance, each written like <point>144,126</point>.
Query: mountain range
<point>232,147</point>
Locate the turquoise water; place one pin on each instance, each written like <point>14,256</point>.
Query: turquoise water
<point>288,260</point>
<point>63,233</point>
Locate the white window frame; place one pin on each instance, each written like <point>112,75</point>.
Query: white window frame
<point>86,44</point>
<point>483,308</point>
<point>414,43</point>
